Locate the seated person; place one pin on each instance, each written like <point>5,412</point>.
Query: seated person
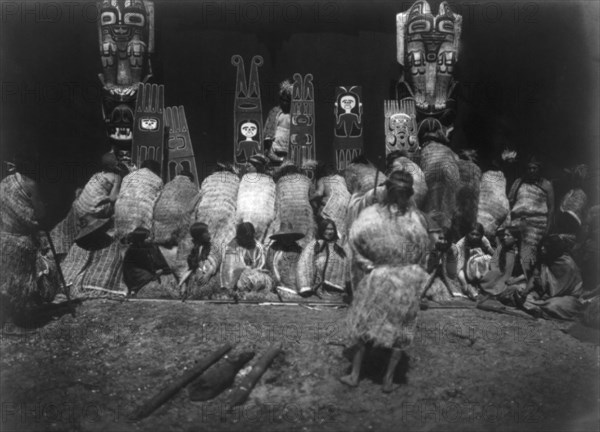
<point>506,280</point>
<point>474,254</point>
<point>244,259</point>
<point>203,261</point>
<point>441,265</point>
<point>324,264</point>
<point>556,287</point>
<point>143,262</point>
<point>283,255</point>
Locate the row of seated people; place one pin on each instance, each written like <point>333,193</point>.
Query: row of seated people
<point>244,269</point>
<point>471,267</point>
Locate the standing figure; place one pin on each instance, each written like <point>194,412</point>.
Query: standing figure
<point>21,210</point>
<point>531,198</point>
<point>388,240</point>
<point>277,125</point>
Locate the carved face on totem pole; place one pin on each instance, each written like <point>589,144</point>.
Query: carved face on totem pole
<point>126,38</point>
<point>427,48</point>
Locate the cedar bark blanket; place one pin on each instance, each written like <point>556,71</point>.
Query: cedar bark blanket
<point>293,207</point>
<point>256,202</point>
<point>336,199</point>
<point>173,211</point>
<point>419,182</point>
<point>467,197</point>
<point>385,306</point>
<point>493,205</point>
<point>135,203</point>
<point>439,164</point>
<point>381,236</point>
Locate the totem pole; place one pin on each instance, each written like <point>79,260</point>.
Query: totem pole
<point>348,132</point>
<point>302,125</point>
<point>181,152</point>
<point>247,111</point>
<point>427,49</point>
<point>126,38</point>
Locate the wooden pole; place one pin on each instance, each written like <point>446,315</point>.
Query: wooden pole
<point>240,394</point>
<point>243,302</point>
<point>60,273</point>
<point>169,391</point>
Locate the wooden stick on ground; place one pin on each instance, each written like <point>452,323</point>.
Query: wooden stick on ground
<point>240,394</point>
<point>169,391</point>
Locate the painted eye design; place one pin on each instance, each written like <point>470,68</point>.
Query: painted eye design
<point>108,18</point>
<point>134,18</point>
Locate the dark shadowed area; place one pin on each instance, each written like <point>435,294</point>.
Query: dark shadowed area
<point>528,73</point>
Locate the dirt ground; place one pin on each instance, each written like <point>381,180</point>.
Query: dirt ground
<point>467,370</point>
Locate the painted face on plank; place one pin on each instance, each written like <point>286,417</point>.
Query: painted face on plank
<point>347,103</point>
<point>249,130</point>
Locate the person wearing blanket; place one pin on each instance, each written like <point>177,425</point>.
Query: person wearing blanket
<point>135,204</point>
<point>388,242</point>
<point>322,267</point>
<point>474,255</point>
<point>243,263</point>
<point>203,261</point>
<point>531,199</point>
<point>556,286</point>
<point>95,201</point>
<point>506,281</point>
<point>283,256</point>
<point>21,210</point>
<point>143,262</point>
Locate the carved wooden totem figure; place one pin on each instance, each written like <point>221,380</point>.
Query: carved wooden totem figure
<point>126,39</point>
<point>302,125</point>
<point>149,133</point>
<point>427,49</point>
<point>401,127</point>
<point>181,152</point>
<point>348,133</point>
<point>247,111</point>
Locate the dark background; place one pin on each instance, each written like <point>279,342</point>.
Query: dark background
<point>528,74</point>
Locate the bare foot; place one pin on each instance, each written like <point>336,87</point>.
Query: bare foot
<point>349,380</point>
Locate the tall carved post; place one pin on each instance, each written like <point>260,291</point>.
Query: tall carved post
<point>126,39</point>
<point>427,50</point>
<point>247,111</point>
<point>149,133</point>
<point>348,132</point>
<point>181,152</point>
<point>302,125</point>
<point>401,127</point>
